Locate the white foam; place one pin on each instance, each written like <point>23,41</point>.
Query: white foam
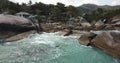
<point>46,38</point>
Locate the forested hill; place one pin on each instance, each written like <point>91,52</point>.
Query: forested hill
<point>85,8</point>
<point>38,8</point>
<point>60,12</point>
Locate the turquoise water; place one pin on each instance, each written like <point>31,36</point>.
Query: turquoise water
<point>51,48</point>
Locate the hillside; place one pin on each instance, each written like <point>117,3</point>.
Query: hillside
<point>86,8</point>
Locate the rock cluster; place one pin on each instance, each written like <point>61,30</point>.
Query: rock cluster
<point>109,42</point>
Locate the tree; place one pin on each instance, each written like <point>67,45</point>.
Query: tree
<point>3,5</point>
<point>30,3</point>
<point>61,7</point>
<point>73,10</point>
<point>56,12</point>
<point>13,7</point>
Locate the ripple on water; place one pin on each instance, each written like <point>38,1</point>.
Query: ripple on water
<point>51,48</point>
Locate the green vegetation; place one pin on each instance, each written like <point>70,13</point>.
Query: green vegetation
<point>101,14</point>
<point>60,12</point>
<point>94,12</point>
<point>55,12</point>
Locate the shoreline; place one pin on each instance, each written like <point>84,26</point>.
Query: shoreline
<point>76,33</point>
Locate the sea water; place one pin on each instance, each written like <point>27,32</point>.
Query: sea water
<point>51,48</point>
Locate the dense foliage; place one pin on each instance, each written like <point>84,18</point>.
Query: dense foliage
<point>57,12</point>
<point>60,12</point>
<point>101,14</point>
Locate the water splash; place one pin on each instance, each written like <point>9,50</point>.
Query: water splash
<point>51,48</point>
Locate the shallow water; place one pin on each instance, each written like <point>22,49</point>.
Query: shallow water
<point>51,48</point>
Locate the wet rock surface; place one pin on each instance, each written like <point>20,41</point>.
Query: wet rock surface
<point>19,36</point>
<point>108,42</point>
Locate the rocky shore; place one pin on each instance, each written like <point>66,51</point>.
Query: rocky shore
<point>108,42</point>
<point>13,28</point>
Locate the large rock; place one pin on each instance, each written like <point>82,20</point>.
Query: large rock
<point>78,28</point>
<point>109,27</point>
<point>19,36</point>
<point>117,27</point>
<point>85,24</point>
<point>14,22</point>
<point>14,25</point>
<point>109,42</point>
<point>115,21</point>
<point>10,19</point>
<point>66,32</point>
<point>85,39</point>
<point>99,23</point>
<point>100,27</point>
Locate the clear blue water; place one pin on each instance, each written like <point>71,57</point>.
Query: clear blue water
<point>51,48</point>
